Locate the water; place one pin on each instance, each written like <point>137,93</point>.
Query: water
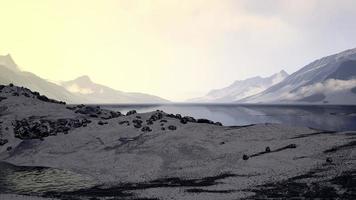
<point>333,118</point>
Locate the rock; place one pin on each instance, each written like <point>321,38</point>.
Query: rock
<point>146,129</point>
<point>131,112</point>
<point>163,128</point>
<point>268,149</point>
<point>102,123</point>
<point>178,116</point>
<point>163,121</point>
<point>137,125</point>
<point>156,116</point>
<point>222,142</point>
<point>137,121</point>
<point>11,85</point>
<point>125,122</point>
<point>329,160</point>
<point>218,123</point>
<point>190,119</point>
<point>183,120</point>
<point>9,148</point>
<point>3,141</point>
<point>205,121</point>
<point>292,146</point>
<point>245,157</point>
<point>172,128</point>
<point>149,122</point>
<point>34,128</point>
<point>138,117</point>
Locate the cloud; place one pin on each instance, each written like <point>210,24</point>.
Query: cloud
<point>329,86</point>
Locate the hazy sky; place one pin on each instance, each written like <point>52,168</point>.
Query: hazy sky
<point>176,49</point>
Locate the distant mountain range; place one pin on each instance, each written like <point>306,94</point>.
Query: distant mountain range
<point>80,90</point>
<point>241,89</point>
<point>329,80</point>
<point>92,92</point>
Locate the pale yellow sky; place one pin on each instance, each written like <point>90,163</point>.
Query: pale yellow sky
<point>176,49</point>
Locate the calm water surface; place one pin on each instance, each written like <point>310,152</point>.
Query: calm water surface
<point>335,118</point>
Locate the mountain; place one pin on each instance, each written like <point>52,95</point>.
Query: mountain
<point>242,88</point>
<point>331,80</point>
<point>92,92</point>
<point>81,90</point>
<point>11,73</point>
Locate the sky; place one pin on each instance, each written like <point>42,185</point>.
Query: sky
<point>176,49</point>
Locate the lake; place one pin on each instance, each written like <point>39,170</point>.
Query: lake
<point>325,117</point>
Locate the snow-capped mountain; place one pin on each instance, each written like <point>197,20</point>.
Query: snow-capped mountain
<point>331,79</point>
<point>81,90</point>
<point>92,92</point>
<point>242,88</point>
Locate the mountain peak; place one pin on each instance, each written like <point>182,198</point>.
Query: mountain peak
<point>282,72</point>
<point>83,79</point>
<point>8,62</point>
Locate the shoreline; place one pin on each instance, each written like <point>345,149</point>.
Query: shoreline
<point>88,152</point>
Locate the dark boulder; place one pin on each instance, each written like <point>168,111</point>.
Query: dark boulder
<point>146,129</point>
<point>190,119</point>
<point>131,112</point>
<point>183,120</point>
<point>268,149</point>
<point>102,123</point>
<point>245,157</point>
<point>329,160</point>
<point>205,121</point>
<point>291,146</point>
<point>172,128</point>
<point>218,123</point>
<point>3,141</point>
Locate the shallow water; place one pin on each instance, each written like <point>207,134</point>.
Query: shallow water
<point>39,180</point>
<point>333,118</point>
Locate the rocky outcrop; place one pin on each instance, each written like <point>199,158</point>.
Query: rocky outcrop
<point>37,128</point>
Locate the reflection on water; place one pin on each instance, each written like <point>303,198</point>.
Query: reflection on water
<point>336,118</point>
<point>37,180</point>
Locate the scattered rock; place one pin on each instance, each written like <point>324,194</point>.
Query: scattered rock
<point>172,128</point>
<point>36,128</point>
